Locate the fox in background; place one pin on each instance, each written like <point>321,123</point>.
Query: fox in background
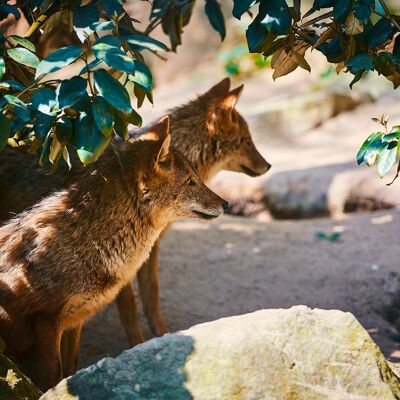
<point>208,131</point>
<point>70,254</point>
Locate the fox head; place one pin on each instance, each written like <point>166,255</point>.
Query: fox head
<point>225,125</point>
<point>222,140</point>
<point>168,182</point>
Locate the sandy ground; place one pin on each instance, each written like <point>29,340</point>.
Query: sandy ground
<point>237,265</point>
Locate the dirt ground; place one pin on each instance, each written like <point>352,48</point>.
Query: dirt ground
<point>237,265</point>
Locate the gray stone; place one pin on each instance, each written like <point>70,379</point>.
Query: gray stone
<point>270,354</point>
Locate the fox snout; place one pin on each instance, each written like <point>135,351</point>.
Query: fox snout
<point>209,205</point>
<point>256,164</point>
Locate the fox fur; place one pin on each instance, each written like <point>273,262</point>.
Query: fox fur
<point>70,254</point>
<point>209,131</point>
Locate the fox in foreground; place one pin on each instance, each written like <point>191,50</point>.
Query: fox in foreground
<point>70,254</point>
<point>208,131</point>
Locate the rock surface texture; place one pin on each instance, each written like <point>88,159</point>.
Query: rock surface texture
<point>293,354</point>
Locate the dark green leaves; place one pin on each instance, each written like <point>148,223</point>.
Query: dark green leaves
<point>387,158</point>
<point>379,33</point>
<point>86,15</point>
<point>102,115</point>
<point>360,62</point>
<point>215,16</point>
<point>341,9</point>
<point>277,18</point>
<point>240,7</point>
<point>141,42</point>
<point>142,76</point>
<point>23,56</point>
<point>45,101</point>
<point>381,147</point>
<point>70,91</point>
<point>113,56</point>
<point>113,92</point>
<point>372,143</point>
<point>88,139</point>
<point>58,59</point>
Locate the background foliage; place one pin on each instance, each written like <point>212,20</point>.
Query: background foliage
<point>91,106</point>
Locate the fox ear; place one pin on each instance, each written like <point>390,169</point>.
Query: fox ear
<point>229,101</point>
<point>163,137</point>
<point>220,89</point>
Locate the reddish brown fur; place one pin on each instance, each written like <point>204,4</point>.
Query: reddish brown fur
<point>208,130</point>
<point>71,253</point>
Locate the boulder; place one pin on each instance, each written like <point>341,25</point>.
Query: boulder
<point>300,353</point>
<point>328,190</point>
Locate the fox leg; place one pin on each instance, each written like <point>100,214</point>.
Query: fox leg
<point>128,315</point>
<point>47,369</point>
<point>150,292</point>
<point>70,344</point>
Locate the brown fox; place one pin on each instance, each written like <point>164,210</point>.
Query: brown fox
<point>208,130</point>
<point>214,137</point>
<point>71,253</point>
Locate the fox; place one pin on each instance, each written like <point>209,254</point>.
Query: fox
<point>208,130</point>
<point>66,257</point>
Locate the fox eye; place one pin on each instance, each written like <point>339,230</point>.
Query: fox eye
<point>191,182</point>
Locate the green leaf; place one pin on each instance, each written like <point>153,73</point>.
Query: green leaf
<point>23,56</point>
<point>88,139</point>
<point>277,17</point>
<point>86,15</point>
<point>387,158</point>
<point>70,91</point>
<point>5,130</point>
<point>10,84</point>
<point>102,116</point>
<point>45,101</point>
<point>58,59</point>
<point>102,26</point>
<point>341,9</point>
<point>380,33</point>
<point>113,92</point>
<point>373,138</point>
<point>112,7</point>
<point>362,11</point>
<point>113,57</point>
<point>43,124</point>
<point>215,16</point>
<point>240,7</point>
<point>256,35</point>
<point>24,42</point>
<point>360,62</point>
<point>2,68</point>
<point>391,136</point>
<point>141,42</point>
<point>142,76</point>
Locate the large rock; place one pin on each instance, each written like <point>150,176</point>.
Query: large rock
<point>271,354</point>
<point>328,190</point>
